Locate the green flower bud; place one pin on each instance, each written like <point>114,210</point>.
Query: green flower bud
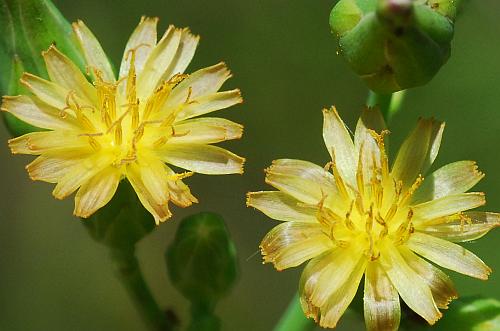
<point>122,222</point>
<point>28,28</point>
<point>202,260</point>
<point>394,44</point>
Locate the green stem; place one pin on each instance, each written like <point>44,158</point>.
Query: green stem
<point>294,318</point>
<point>129,273</point>
<point>389,104</point>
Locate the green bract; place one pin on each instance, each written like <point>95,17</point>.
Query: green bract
<point>28,28</point>
<point>394,44</point>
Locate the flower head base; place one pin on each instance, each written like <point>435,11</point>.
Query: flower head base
<point>359,216</point>
<point>128,128</point>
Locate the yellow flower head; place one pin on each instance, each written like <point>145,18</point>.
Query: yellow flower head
<point>128,127</point>
<point>358,216</point>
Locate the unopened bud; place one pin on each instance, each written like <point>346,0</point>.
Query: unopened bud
<point>394,44</point>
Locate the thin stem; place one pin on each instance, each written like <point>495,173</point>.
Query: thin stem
<point>294,319</point>
<point>129,273</point>
<point>389,104</point>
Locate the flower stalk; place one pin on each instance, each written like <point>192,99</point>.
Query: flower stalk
<point>293,319</point>
<point>129,273</point>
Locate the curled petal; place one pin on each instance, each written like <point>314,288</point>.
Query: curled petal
<point>418,151</point>
<point>203,159</point>
<point>342,263</point>
<point>440,284</point>
<point>97,192</point>
<point>338,302</point>
<point>303,180</point>
<point>160,211</point>
<point>371,120</point>
<point>411,287</point>
<point>142,41</point>
<point>158,60</point>
<point>184,54</point>
<point>206,130</point>
<point>339,144</point>
<point>448,255</point>
<point>467,227</point>
<point>292,243</point>
<point>210,103</point>
<point>201,83</point>
<point>282,207</point>
<point>453,178</point>
<point>93,52</point>
<point>179,192</point>
<point>448,205</point>
<point>33,111</point>
<point>36,143</point>
<point>381,300</point>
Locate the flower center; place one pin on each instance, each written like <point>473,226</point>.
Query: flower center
<point>120,123</point>
<point>372,211</point>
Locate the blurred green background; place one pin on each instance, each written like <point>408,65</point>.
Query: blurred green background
<point>54,277</point>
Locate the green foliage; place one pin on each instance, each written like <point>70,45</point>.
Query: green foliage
<point>202,266</point>
<point>394,45</point>
<point>467,314</point>
<point>122,222</point>
<point>28,28</point>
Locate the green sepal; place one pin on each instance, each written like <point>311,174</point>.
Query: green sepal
<point>122,222</point>
<point>28,28</point>
<point>394,48</point>
<point>202,260</point>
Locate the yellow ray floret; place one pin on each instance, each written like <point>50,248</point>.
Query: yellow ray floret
<point>358,216</point>
<point>127,127</point>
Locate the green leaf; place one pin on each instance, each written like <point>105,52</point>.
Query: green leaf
<point>28,28</point>
<point>467,314</point>
<point>122,222</point>
<point>202,259</point>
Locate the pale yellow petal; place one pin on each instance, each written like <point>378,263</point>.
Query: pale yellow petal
<point>454,178</point>
<point>210,103</point>
<point>97,192</point>
<point>160,212</point>
<point>342,263</point>
<point>472,226</point>
<point>47,91</point>
<point>93,52</point>
<point>338,302</point>
<point>282,207</point>
<point>154,175</point>
<point>302,180</point>
<point>158,61</point>
<point>52,169</point>
<point>66,74</point>
<point>292,243</point>
<point>442,288</point>
<point>203,159</point>
<point>184,55</point>
<point>201,83</point>
<point>206,130</point>
<point>34,112</point>
<point>448,255</point>
<point>448,205</point>
<point>418,151</point>
<point>381,300</point>
<point>80,174</point>
<point>310,276</point>
<point>142,41</point>
<point>371,121</point>
<point>36,143</point>
<point>411,287</point>
<point>179,192</point>
<point>339,143</point>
